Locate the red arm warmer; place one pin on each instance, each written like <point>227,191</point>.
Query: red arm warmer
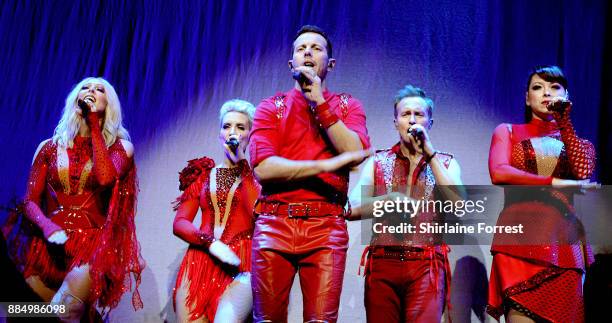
<point>108,165</point>
<point>36,186</point>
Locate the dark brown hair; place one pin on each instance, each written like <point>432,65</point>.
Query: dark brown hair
<point>549,73</point>
<point>316,30</point>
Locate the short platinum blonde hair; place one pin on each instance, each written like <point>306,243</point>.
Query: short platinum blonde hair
<point>237,105</point>
<point>70,122</point>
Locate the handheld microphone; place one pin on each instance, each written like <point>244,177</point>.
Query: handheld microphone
<point>300,77</point>
<point>559,105</point>
<point>417,133</point>
<point>233,143</point>
<point>85,105</point>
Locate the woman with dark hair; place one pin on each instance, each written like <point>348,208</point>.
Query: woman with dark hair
<point>537,275</point>
<point>78,244</point>
<point>214,282</point>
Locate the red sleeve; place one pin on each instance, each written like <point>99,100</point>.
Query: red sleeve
<point>186,210</point>
<point>263,140</point>
<point>118,251</point>
<point>183,222</point>
<point>36,186</point>
<point>580,152</point>
<point>251,187</point>
<point>108,164</point>
<point>356,121</point>
<point>119,159</point>
<point>500,168</point>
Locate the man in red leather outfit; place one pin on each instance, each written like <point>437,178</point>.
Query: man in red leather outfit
<point>302,145</point>
<point>407,274</point>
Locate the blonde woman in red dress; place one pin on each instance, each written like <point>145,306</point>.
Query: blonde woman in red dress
<point>80,203</point>
<point>214,281</point>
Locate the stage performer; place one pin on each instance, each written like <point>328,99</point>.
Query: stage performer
<point>537,276</point>
<point>302,143</point>
<point>214,282</point>
<point>407,274</point>
<point>79,205</point>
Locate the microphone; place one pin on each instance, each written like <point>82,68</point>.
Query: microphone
<point>233,143</point>
<point>300,77</point>
<point>559,105</point>
<point>84,105</point>
<point>417,133</point>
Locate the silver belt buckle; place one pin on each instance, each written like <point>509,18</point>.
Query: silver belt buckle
<point>294,210</point>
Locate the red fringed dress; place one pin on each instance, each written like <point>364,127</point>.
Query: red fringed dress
<point>89,191</point>
<point>540,272</point>
<point>235,188</point>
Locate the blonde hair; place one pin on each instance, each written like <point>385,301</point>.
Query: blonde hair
<point>70,122</point>
<point>237,105</point>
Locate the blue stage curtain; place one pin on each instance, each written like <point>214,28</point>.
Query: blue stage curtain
<point>174,62</point>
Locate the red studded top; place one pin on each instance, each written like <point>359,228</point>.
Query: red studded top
<point>534,153</point>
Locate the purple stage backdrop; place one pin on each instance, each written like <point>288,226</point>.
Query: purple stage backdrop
<point>173,63</point>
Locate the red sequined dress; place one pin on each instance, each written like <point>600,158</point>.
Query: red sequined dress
<point>539,273</point>
<point>208,277</point>
<point>89,191</point>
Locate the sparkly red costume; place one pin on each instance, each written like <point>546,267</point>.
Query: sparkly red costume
<point>407,275</point>
<point>89,191</point>
<point>208,277</point>
<point>290,234</point>
<point>541,278</point>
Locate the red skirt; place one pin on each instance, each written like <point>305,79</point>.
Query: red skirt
<point>52,262</point>
<point>208,277</point>
<point>539,291</point>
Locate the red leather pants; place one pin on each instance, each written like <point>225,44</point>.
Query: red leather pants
<point>404,291</point>
<point>313,247</point>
